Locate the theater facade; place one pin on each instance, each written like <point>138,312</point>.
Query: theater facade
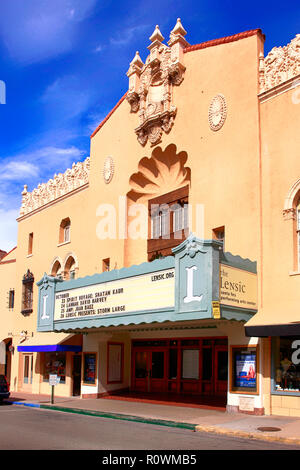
<point>148,268</point>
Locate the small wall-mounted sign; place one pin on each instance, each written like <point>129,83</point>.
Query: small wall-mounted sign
<point>216,312</point>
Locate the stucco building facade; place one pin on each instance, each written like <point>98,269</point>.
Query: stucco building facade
<point>151,267</point>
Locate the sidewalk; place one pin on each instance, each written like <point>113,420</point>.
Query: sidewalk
<point>196,419</point>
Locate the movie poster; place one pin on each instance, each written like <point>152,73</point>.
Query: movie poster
<point>245,370</point>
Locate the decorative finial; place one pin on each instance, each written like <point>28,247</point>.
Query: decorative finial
<point>137,61</point>
<point>178,29</point>
<point>156,35</point>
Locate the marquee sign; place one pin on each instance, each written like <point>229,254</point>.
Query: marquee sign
<point>145,292</point>
<point>198,282</point>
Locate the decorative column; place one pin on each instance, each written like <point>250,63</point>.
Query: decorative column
<point>134,73</point>
<point>177,43</point>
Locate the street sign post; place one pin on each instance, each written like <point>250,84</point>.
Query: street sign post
<point>53,381</point>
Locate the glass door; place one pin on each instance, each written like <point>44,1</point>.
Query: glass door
<point>141,371</point>
<point>27,371</point>
<point>158,379</point>
<point>221,371</point>
<point>149,370</point>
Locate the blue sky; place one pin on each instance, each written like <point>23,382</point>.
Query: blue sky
<point>64,63</point>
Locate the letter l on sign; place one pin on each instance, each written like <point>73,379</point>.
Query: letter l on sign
<point>190,297</point>
<point>45,316</point>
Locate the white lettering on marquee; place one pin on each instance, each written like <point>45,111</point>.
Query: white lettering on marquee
<point>190,297</point>
<point>45,316</point>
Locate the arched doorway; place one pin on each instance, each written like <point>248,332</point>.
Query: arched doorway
<point>6,350</point>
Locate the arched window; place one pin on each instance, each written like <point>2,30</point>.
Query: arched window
<point>298,232</point>
<point>57,270</point>
<point>65,231</point>
<point>70,268</point>
<point>291,213</point>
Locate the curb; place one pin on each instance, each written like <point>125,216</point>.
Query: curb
<point>247,435</point>
<point>30,405</point>
<point>122,417</point>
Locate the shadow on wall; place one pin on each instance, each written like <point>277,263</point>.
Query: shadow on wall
<point>164,172</point>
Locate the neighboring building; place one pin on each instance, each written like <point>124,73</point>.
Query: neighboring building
<point>7,309</point>
<point>152,265</point>
<point>2,254</point>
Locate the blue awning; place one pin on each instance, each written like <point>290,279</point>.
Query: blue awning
<point>50,348</point>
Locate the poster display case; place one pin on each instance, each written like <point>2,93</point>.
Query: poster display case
<point>244,369</point>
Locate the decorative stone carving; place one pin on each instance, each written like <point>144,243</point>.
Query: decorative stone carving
<point>60,185</point>
<point>191,246</point>
<point>150,84</point>
<point>217,112</point>
<point>281,64</point>
<point>108,170</point>
<point>289,214</point>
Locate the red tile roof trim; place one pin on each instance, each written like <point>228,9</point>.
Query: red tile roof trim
<point>9,261</point>
<point>109,114</point>
<point>203,45</point>
<point>225,40</point>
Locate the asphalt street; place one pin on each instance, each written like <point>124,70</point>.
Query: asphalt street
<point>24,428</point>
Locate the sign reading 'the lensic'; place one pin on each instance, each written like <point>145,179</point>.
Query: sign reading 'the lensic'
<point>238,288</point>
<point>147,291</point>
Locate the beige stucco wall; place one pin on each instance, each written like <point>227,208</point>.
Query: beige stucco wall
<point>280,141</point>
<point>224,164</point>
<point>8,280</point>
<point>280,150</point>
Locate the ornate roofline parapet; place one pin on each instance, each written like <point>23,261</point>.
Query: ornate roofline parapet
<point>61,184</point>
<point>280,65</point>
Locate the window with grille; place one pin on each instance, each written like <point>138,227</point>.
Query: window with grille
<point>11,298</point>
<point>27,293</point>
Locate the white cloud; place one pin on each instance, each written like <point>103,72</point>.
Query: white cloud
<point>127,35</point>
<point>16,170</point>
<point>39,29</point>
<point>29,168</point>
<point>32,168</point>
<point>94,119</point>
<point>52,156</point>
<point>65,99</point>
<point>99,48</point>
<point>38,162</point>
